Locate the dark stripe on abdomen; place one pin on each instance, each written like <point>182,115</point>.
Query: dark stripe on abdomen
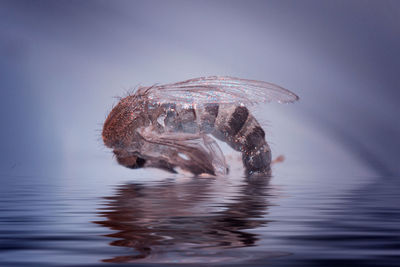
<point>237,120</point>
<point>255,138</point>
<point>208,117</point>
<point>212,110</point>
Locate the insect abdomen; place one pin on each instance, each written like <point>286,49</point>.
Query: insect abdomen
<point>231,124</point>
<point>236,126</point>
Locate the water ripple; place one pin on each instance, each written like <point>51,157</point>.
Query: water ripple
<point>201,220</point>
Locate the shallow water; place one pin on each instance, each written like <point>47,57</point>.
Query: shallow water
<point>228,220</point>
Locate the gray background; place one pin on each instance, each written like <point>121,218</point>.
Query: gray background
<point>61,62</point>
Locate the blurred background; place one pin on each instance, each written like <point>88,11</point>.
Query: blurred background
<point>62,63</point>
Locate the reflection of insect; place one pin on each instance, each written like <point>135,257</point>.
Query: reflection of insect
<point>167,126</point>
<point>187,218</point>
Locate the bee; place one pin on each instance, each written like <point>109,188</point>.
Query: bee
<point>171,126</point>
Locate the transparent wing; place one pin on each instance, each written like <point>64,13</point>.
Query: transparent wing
<point>221,90</point>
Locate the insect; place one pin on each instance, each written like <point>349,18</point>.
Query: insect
<point>172,125</point>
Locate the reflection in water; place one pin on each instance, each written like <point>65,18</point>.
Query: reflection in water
<point>193,218</point>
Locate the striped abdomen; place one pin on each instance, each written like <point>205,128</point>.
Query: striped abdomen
<point>238,128</point>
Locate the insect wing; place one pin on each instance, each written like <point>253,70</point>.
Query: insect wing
<point>202,150</point>
<point>220,90</point>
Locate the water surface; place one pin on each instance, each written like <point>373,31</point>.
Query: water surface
<point>235,220</point>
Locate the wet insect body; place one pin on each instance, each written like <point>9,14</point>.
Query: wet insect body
<point>169,126</point>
